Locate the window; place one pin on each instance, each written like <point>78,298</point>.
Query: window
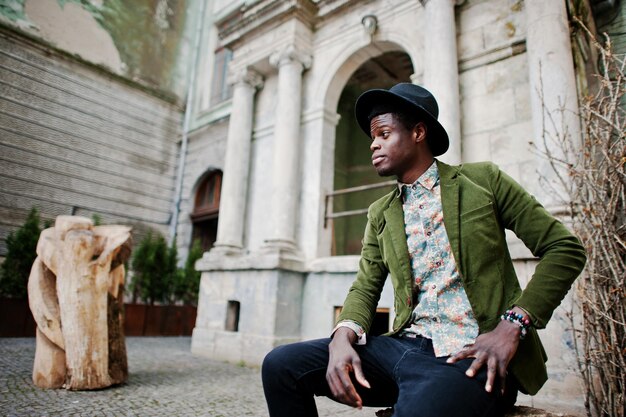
<point>220,89</point>
<point>232,316</point>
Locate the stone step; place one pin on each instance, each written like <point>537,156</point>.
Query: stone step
<point>519,411</point>
<point>522,411</point>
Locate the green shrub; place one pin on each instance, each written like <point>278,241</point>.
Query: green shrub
<point>154,270</point>
<point>187,290</point>
<point>156,277</point>
<point>96,219</point>
<point>21,253</point>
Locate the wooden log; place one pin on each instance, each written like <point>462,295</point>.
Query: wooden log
<point>82,291</point>
<point>83,267</point>
<point>43,302</point>
<point>121,248</point>
<point>118,364</point>
<point>49,367</point>
<point>46,249</point>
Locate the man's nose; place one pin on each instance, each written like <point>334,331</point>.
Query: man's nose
<point>374,145</point>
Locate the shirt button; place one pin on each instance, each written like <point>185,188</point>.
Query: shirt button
<point>414,186</point>
<point>428,233</point>
<point>433,286</point>
<point>421,206</point>
<point>435,319</point>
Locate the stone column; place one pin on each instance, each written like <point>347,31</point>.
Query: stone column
<point>286,174</point>
<point>441,69</point>
<point>237,163</point>
<point>554,101</point>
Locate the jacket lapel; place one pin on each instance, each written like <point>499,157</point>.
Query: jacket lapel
<point>394,219</point>
<point>450,202</point>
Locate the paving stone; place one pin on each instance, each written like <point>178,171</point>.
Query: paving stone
<point>165,379</point>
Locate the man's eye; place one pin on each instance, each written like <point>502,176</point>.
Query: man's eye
<point>385,134</point>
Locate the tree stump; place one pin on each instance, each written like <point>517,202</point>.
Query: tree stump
<point>75,292</point>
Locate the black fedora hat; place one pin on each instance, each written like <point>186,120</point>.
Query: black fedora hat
<point>411,99</point>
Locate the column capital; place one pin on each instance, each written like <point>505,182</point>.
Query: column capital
<point>290,54</point>
<point>246,76</point>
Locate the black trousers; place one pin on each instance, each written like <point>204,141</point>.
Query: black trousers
<point>403,373</point>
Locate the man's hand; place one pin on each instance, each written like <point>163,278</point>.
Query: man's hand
<point>495,349</point>
<point>342,362</point>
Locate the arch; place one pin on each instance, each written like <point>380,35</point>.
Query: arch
<point>353,56</point>
<point>352,168</point>
<point>325,96</point>
<point>205,202</point>
<point>198,182</point>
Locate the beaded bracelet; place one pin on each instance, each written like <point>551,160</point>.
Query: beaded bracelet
<point>518,319</point>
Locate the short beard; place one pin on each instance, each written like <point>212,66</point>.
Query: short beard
<point>383,172</point>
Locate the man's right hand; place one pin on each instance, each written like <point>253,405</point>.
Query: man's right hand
<point>343,361</point>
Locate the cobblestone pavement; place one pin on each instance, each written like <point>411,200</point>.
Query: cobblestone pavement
<point>165,379</point>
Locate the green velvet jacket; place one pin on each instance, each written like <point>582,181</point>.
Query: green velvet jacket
<point>479,202</point>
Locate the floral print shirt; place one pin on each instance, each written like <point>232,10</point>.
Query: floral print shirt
<point>443,312</point>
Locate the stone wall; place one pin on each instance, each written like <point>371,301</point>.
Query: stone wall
<point>91,108</point>
<point>76,141</point>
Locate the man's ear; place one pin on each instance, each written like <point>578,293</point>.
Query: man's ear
<point>419,132</point>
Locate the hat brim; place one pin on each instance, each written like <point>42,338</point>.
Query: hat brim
<point>437,136</point>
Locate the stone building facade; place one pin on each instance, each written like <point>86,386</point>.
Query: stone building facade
<point>288,146</point>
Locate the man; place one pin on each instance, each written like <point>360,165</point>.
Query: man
<point>464,337</point>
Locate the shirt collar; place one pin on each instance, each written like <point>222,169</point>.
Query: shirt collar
<point>428,179</point>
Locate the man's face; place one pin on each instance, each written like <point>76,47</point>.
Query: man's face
<point>394,151</point>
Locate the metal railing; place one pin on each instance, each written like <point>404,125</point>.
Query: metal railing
<point>328,208</point>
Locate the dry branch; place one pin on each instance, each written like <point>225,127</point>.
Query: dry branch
<point>596,191</point>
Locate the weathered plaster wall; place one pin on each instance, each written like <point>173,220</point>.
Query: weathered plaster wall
<point>77,142</point>
<point>146,41</point>
<point>63,26</point>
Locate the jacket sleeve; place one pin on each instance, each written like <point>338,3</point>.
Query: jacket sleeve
<point>362,299</point>
<point>561,255</point>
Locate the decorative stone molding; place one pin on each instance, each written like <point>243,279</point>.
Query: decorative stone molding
<point>257,17</point>
<point>246,76</point>
<point>456,2</point>
<point>264,259</point>
<point>328,8</point>
<point>490,56</point>
<point>290,54</point>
